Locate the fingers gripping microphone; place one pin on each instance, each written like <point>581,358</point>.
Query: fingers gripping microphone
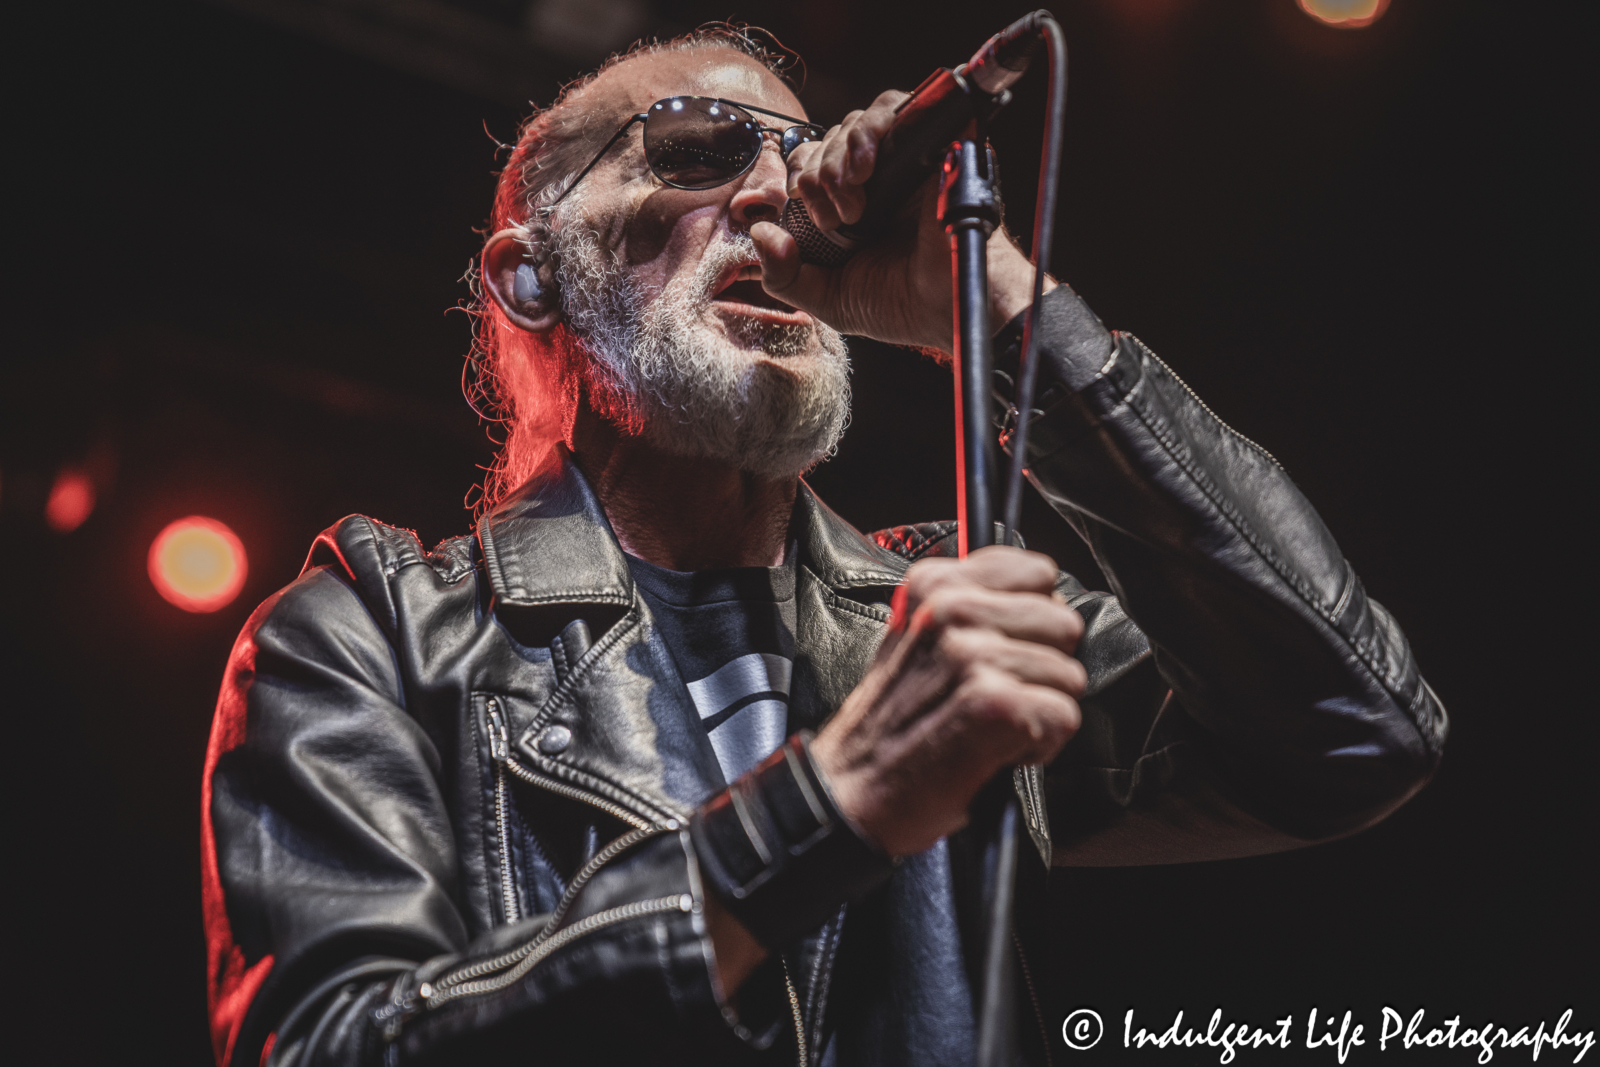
<point>925,123</point>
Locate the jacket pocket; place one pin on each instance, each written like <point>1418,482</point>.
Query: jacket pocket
<point>514,835</point>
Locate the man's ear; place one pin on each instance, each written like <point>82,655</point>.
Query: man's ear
<point>526,290</point>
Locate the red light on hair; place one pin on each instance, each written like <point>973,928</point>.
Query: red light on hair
<point>71,500</point>
<point>1345,14</point>
<point>198,564</point>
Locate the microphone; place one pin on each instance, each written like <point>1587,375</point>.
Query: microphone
<point>925,123</point>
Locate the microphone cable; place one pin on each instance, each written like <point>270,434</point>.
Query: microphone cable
<point>1043,233</point>
<point>996,1001</point>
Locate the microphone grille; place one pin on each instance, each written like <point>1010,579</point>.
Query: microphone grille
<point>825,250</point>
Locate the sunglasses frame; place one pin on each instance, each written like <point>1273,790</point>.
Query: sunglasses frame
<point>785,144</point>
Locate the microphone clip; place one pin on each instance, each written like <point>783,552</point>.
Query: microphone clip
<point>968,196</point>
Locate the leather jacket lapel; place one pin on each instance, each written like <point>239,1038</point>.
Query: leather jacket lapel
<point>623,719</point>
<point>612,724</point>
<point>843,588</point>
<point>614,719</point>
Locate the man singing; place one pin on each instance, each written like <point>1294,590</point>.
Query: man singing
<point>667,763</point>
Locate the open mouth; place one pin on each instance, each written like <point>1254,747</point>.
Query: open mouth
<point>742,294</point>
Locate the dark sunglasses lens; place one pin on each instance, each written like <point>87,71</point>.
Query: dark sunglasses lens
<point>795,136</point>
<point>699,144</point>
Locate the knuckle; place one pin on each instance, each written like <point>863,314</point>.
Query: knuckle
<point>1072,718</point>
<point>952,649</point>
<point>1056,635</point>
<point>1077,678</point>
<point>809,182</point>
<point>1074,624</point>
<point>964,647</point>
<point>937,602</point>
<point>1063,722</point>
<point>976,570</point>
<point>1065,625</point>
<point>802,154</point>
<point>990,700</point>
<point>958,605</point>
<point>1052,719</point>
<point>1041,569</point>
<point>1058,731</point>
<point>916,579</point>
<point>925,623</point>
<point>925,575</point>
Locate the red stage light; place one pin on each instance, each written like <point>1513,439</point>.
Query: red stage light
<point>198,564</point>
<point>71,500</point>
<point>1345,14</point>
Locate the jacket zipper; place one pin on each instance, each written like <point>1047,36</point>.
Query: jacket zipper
<point>491,975</point>
<point>1203,406</point>
<point>504,763</point>
<point>500,751</point>
<point>499,972</point>
<point>500,747</point>
<point>480,978</point>
<point>534,953</point>
<point>799,1016</point>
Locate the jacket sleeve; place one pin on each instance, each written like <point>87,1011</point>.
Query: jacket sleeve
<point>1245,694</point>
<point>330,881</point>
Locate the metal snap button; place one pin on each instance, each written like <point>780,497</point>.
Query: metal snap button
<point>554,740</point>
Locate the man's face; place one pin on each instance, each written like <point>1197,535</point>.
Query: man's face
<point>662,289</point>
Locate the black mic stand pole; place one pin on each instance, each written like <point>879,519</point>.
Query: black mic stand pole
<point>968,210</point>
<point>970,213</point>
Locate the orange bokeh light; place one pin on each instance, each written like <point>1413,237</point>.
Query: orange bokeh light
<point>1345,14</point>
<point>198,564</point>
<point>71,500</point>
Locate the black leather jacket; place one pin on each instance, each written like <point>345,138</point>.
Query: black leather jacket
<point>415,763</point>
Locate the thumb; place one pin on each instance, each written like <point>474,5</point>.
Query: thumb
<point>783,275</point>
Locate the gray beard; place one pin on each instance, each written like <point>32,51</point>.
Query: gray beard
<point>657,368</point>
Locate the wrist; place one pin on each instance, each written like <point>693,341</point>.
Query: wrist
<point>778,853</point>
<point>1010,281</point>
<point>829,763</point>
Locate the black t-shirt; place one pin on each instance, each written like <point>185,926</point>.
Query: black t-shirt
<point>731,633</point>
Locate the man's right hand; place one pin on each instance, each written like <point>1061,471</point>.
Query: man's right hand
<point>975,675</point>
<point>898,289</point>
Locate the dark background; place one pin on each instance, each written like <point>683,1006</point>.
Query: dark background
<point>235,231</point>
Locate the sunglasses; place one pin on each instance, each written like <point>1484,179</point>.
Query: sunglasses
<point>697,142</point>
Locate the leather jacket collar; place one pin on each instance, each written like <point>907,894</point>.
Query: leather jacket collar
<point>551,544</point>
<point>550,557</point>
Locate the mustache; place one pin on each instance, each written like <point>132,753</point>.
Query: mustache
<point>731,249</point>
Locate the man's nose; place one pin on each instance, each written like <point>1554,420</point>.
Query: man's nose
<point>763,190</point>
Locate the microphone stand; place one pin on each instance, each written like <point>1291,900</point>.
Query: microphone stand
<point>956,103</point>
<point>968,209</point>
<point>970,212</point>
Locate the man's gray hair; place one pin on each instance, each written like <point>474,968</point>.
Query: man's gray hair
<point>526,383</point>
